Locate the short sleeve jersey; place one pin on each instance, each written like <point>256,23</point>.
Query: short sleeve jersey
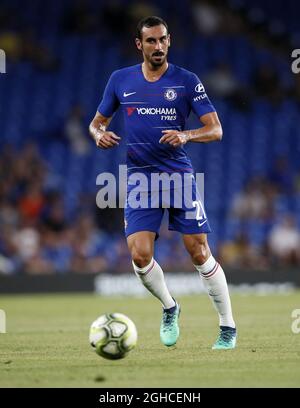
<point>151,107</point>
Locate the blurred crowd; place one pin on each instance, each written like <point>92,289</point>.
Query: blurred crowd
<point>38,237</point>
<point>259,207</point>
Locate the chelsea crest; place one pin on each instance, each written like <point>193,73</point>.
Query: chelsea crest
<point>170,94</point>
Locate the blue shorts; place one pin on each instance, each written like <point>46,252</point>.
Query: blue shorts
<point>186,212</point>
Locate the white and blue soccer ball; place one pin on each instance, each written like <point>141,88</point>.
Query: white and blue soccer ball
<point>113,335</point>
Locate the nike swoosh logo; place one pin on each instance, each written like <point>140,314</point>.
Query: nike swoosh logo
<point>201,223</point>
<point>128,94</point>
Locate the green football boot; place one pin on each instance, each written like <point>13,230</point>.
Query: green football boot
<point>169,329</point>
<point>226,339</point>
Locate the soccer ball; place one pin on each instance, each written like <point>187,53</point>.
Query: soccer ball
<point>113,335</point>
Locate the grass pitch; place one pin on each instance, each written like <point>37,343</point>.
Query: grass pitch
<point>46,344</point>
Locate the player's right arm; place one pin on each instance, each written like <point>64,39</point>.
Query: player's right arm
<point>105,111</point>
<point>102,137</point>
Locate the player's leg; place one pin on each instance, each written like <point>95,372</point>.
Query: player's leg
<point>190,219</point>
<point>214,280</point>
<point>141,246</point>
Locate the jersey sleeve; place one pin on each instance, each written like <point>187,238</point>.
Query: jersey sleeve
<point>110,102</point>
<point>197,96</point>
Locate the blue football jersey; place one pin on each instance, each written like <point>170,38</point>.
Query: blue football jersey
<point>151,107</point>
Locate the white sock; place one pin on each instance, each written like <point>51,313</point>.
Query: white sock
<point>214,280</point>
<point>152,277</point>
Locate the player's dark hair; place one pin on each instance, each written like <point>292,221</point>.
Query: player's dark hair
<point>151,21</point>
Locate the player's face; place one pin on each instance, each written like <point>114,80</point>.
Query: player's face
<point>154,44</point>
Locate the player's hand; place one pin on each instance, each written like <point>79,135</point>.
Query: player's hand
<point>106,140</point>
<point>174,138</point>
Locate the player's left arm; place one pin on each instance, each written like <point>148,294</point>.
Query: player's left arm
<point>211,131</point>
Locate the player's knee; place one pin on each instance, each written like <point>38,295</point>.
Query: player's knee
<point>141,256</point>
<point>199,252</point>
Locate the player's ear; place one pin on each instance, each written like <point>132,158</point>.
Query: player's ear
<point>138,43</point>
<point>169,40</point>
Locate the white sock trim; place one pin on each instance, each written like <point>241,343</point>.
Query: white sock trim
<point>209,268</point>
<point>146,269</point>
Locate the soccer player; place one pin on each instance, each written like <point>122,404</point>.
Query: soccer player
<point>156,98</point>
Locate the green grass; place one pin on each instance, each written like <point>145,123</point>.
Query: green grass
<point>46,344</point>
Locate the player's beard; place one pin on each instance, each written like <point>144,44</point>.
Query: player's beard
<point>157,62</point>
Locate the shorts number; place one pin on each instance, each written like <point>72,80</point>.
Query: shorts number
<point>199,210</point>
